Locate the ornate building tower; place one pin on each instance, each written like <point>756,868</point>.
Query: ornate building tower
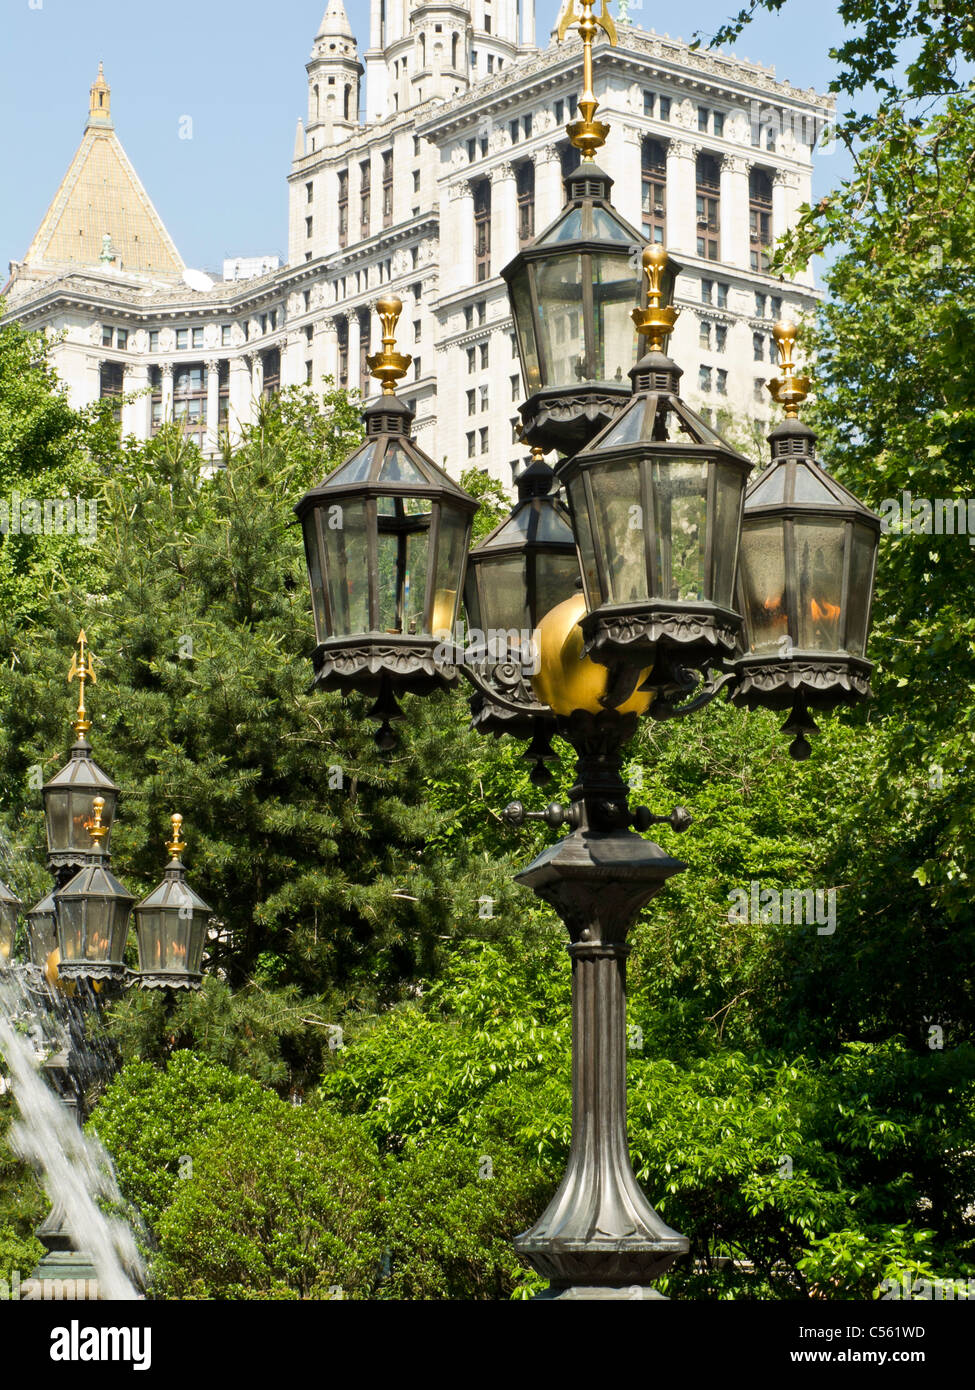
<point>334,73</point>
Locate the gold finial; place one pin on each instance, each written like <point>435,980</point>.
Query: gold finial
<point>538,453</point>
<point>389,365</point>
<point>95,829</point>
<point>587,134</point>
<point>788,390</point>
<point>82,670</point>
<point>656,321</point>
<point>176,845</point>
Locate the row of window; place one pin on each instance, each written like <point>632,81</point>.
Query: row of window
<point>714,380</point>
<point>714,338</point>
<point>708,192</point>
<point>711,122</point>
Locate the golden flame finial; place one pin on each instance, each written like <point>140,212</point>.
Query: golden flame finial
<point>82,670</point>
<point>176,845</point>
<point>656,321</point>
<point>788,390</point>
<point>389,366</point>
<point>588,135</point>
<point>95,829</point>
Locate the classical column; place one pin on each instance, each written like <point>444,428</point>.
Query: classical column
<point>504,216</point>
<point>166,371</point>
<point>326,354</point>
<point>549,191</point>
<point>256,364</point>
<point>621,158</point>
<point>460,237</point>
<point>213,404</point>
<point>735,241</point>
<point>682,197</point>
<point>528,23</point>
<point>781,190</point>
<point>136,413</point>
<point>352,319</point>
<point>240,390</point>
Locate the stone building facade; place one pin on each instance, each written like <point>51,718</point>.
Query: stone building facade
<point>420,168</point>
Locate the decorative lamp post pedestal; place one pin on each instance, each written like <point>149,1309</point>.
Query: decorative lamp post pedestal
<point>599,1236</point>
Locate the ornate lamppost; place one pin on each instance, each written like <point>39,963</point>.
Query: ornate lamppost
<point>656,507</point>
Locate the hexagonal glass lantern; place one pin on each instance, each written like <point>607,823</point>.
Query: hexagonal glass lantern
<point>572,291</point>
<point>656,501</point>
<point>68,798</point>
<point>42,931</point>
<point>171,926</point>
<point>10,909</point>
<point>93,917</point>
<point>808,553</point>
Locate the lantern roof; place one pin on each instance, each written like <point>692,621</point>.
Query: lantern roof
<point>47,907</point>
<point>661,418</point>
<point>587,217</point>
<point>94,881</point>
<point>537,518</point>
<point>389,462</point>
<point>798,481</point>
<point>9,898</point>
<point>81,771</point>
<point>173,893</point>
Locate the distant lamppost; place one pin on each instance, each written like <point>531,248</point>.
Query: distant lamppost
<point>656,500</point>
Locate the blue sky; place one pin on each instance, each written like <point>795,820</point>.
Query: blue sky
<point>236,67</point>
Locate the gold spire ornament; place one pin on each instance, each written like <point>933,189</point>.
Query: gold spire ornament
<point>176,845</point>
<point>82,670</point>
<point>656,322</point>
<point>389,366</point>
<point>788,390</point>
<point>587,134</point>
<point>95,829</point>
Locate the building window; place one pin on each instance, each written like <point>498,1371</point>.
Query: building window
<point>704,335</point>
<point>758,347</point>
<point>526,125</point>
<point>112,386</point>
<point>190,401</point>
<point>388,188</point>
<point>654,191</point>
<point>471,441</point>
<point>704,379</point>
<point>417,369</point>
<point>225,335</point>
<point>182,339</point>
<point>516,431</point>
<point>417,330</point>
<point>776,308</point>
<point>514,131</point>
<point>197,337</point>
<point>469,316</point>
<point>472,402</point>
<point>485,356</point>
<point>707,291</point>
<point>365,197</point>
<point>154,340</point>
<point>309,226</point>
<point>665,108</point>
<point>484,398</point>
<point>224,394</point>
<point>569,157</point>
<point>759,391</point>
<point>525,184</point>
<point>309,192</point>
<point>722,382</point>
<point>718,118</point>
<point>343,363</point>
<point>343,207</point>
<point>515,387</point>
<point>760,218</point>
<point>416,180</point>
<point>122,339</point>
<point>481,307</point>
<point>155,398</point>
<point>471,361</point>
<point>722,296</point>
<point>482,231</point>
<point>708,207</point>
<point>107,338</point>
<point>485,447</point>
<point>649,103</point>
<point>761,305</point>
<point>365,326</point>
<point>560,113</point>
<point>721,338</point>
<point>703,119</point>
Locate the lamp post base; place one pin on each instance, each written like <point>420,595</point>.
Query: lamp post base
<point>598,1293</point>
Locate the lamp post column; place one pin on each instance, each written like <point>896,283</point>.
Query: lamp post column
<point>599,1238</point>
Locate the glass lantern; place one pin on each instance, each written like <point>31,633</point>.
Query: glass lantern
<point>10,909</point>
<point>93,912</point>
<point>171,926</point>
<point>42,931</point>
<point>386,539</point>
<point>68,798</point>
<point>656,501</point>
<point>572,292</point>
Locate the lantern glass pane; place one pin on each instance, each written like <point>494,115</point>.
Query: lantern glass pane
<point>628,429</point>
<point>356,469</point>
<point>621,530</point>
<point>819,574</point>
<point>8,934</point>
<point>388,547</point>
<point>71,930</point>
<point>343,532</point>
<point>398,467</point>
<point>149,934</point>
<point>556,578</point>
<point>521,305</point>
<point>57,807</point>
<point>729,492</point>
<point>417,561</point>
<point>561,329</point>
<point>763,585</point>
<point>505,611</point>
<point>42,937</point>
<point>553,526</point>
<point>310,529</point>
<point>615,340</point>
<point>810,488</point>
<point>451,564</point>
<point>175,939</point>
<point>770,489</point>
<point>861,589</point>
<point>584,540</point>
<point>100,921</point>
<point>680,491</point>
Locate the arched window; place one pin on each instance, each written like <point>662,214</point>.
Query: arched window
<point>760,218</point>
<point>654,174</point>
<point>423,50</point>
<point>316,111</point>
<point>454,50</point>
<point>348,103</point>
<point>708,207</point>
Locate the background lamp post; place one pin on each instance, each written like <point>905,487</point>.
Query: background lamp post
<point>171,925</point>
<point>93,916</point>
<point>68,796</point>
<point>655,506</point>
<point>391,516</point>
<point>808,555</point>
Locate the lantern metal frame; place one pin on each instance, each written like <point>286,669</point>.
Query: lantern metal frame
<point>10,911</point>
<point>172,899</point>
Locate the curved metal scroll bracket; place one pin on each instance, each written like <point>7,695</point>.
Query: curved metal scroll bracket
<point>708,689</point>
